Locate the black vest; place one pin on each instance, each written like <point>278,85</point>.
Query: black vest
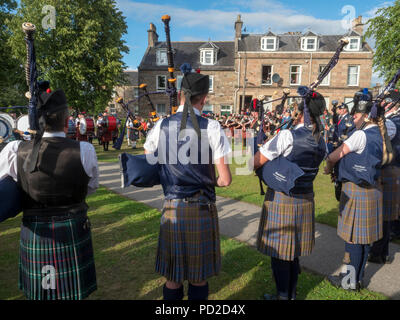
<point>308,155</point>
<point>396,141</point>
<point>183,180</point>
<point>60,179</point>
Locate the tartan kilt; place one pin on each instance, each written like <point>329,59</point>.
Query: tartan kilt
<point>360,214</point>
<point>189,244</point>
<point>287,225</point>
<point>390,177</point>
<point>61,248</point>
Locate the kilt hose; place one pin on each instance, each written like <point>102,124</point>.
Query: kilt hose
<point>287,228</point>
<point>390,177</point>
<point>360,214</point>
<point>189,244</point>
<point>56,258</point>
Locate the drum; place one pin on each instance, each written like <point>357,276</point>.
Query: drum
<point>6,125</point>
<point>23,123</point>
<point>110,123</point>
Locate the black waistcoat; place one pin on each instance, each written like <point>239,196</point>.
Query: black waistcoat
<point>60,179</point>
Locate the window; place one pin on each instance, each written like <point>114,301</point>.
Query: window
<point>208,57</point>
<point>179,82</point>
<point>266,77</point>
<point>353,75</point>
<point>268,43</point>
<point>211,88</point>
<point>267,105</point>
<point>208,109</point>
<point>295,75</point>
<point>354,44</point>
<point>327,80</point>
<point>161,56</point>
<point>350,105</point>
<point>309,43</point>
<point>136,110</point>
<point>161,109</point>
<point>327,100</point>
<point>112,109</point>
<point>226,110</point>
<point>161,83</point>
<point>136,92</point>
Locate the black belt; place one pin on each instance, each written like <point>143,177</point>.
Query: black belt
<point>56,212</point>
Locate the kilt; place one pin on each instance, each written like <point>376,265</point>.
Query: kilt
<point>106,136</point>
<point>56,259</point>
<point>287,227</point>
<point>390,177</point>
<point>189,244</point>
<point>360,214</point>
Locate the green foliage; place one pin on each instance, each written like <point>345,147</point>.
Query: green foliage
<point>385,29</point>
<point>82,55</point>
<point>12,83</point>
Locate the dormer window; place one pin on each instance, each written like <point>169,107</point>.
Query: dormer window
<point>161,57</point>
<point>354,44</point>
<point>268,43</point>
<point>309,43</point>
<point>208,57</point>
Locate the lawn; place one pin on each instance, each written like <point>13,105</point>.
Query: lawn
<point>125,240</point>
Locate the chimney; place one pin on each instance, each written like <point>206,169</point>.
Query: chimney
<point>238,27</point>
<point>152,35</point>
<point>358,25</point>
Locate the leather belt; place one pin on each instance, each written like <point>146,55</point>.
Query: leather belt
<point>51,212</point>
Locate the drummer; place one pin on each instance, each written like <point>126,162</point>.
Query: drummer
<point>105,134</point>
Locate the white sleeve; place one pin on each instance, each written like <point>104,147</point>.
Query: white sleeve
<point>357,142</point>
<point>219,143</point>
<point>89,163</point>
<point>8,160</point>
<point>153,137</point>
<point>391,129</point>
<point>282,144</point>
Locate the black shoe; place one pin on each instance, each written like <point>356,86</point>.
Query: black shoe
<point>376,259</point>
<point>274,297</point>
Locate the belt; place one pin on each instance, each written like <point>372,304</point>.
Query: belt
<point>196,198</point>
<point>52,212</point>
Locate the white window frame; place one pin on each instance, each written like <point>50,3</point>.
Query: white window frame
<point>327,80</point>
<point>158,106</point>
<point>179,82</point>
<point>158,87</point>
<point>160,62</point>
<point>230,109</point>
<point>208,106</point>
<point>203,57</point>
<point>304,43</point>
<point>348,47</point>
<point>211,87</point>
<point>272,73</point>
<point>264,43</point>
<point>348,76</point>
<point>350,105</point>
<point>113,109</point>
<point>290,74</point>
<point>136,92</point>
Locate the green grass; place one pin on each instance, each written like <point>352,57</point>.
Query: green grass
<point>112,155</point>
<point>125,237</point>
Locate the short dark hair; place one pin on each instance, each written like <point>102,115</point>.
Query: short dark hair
<point>55,122</point>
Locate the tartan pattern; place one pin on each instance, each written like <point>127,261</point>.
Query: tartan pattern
<point>64,245</point>
<point>189,245</point>
<point>287,226</point>
<point>360,218</point>
<point>390,177</point>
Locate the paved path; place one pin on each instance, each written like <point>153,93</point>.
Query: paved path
<point>240,220</point>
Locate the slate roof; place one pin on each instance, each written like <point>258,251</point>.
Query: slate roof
<point>132,76</point>
<point>291,43</point>
<point>187,51</point>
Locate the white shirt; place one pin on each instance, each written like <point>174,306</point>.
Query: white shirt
<point>8,160</point>
<point>216,136</point>
<point>358,140</point>
<point>281,144</point>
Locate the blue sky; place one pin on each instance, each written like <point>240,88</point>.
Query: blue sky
<point>203,20</point>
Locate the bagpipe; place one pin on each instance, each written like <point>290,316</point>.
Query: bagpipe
<point>10,192</point>
<point>281,174</point>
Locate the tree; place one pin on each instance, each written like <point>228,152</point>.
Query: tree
<point>82,54</point>
<point>12,85</point>
<point>385,29</point>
